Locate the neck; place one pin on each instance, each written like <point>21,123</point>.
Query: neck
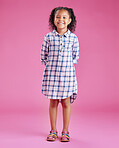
<point>62,31</point>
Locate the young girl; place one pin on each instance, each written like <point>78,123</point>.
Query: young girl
<point>59,52</point>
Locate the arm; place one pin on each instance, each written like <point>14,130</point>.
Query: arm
<point>75,52</point>
<point>44,51</point>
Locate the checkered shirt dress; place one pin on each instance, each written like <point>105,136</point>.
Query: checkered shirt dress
<point>60,53</point>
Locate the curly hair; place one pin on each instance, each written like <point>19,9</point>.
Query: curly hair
<point>71,26</point>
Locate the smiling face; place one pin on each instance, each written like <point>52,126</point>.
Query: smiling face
<point>62,20</point>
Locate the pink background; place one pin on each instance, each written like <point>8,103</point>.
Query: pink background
<point>24,119</point>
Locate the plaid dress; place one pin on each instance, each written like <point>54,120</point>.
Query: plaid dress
<point>60,53</point>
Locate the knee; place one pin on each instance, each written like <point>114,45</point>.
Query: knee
<point>65,103</point>
<point>54,103</point>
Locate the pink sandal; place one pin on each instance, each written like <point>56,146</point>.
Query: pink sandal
<point>65,136</point>
<point>52,136</point>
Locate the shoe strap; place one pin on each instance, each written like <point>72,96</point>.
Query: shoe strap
<point>65,133</point>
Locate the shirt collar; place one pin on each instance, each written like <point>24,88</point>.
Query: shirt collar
<point>65,34</point>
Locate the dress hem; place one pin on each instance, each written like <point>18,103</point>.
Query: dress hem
<point>71,98</point>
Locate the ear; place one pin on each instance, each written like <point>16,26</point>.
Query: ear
<point>69,21</point>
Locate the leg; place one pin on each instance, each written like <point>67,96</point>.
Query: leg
<point>53,112</point>
<point>66,112</point>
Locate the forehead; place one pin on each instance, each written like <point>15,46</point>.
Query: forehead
<point>62,12</point>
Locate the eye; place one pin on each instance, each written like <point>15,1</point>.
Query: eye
<point>64,17</point>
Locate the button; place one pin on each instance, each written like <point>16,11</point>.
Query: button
<point>60,50</point>
<point>61,44</point>
<point>60,36</point>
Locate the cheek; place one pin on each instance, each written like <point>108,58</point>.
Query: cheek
<point>55,23</point>
<point>68,22</point>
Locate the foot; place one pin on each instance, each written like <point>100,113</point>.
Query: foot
<point>52,136</point>
<point>65,136</point>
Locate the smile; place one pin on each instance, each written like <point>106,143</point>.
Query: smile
<point>60,23</point>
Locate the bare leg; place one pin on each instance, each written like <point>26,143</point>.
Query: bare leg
<point>53,112</point>
<point>66,113</point>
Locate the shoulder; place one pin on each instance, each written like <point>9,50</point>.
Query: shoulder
<point>73,35</point>
<point>48,36</point>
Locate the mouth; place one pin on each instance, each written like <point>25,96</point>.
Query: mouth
<point>60,23</point>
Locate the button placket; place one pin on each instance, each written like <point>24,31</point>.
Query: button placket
<point>60,45</point>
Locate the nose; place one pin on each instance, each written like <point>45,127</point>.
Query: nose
<point>61,18</point>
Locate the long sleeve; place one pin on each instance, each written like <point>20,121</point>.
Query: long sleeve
<point>44,50</point>
<point>75,52</point>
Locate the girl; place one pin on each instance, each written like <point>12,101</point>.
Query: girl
<point>59,52</point>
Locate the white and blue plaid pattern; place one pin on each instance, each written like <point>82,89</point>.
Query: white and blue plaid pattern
<point>60,53</point>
